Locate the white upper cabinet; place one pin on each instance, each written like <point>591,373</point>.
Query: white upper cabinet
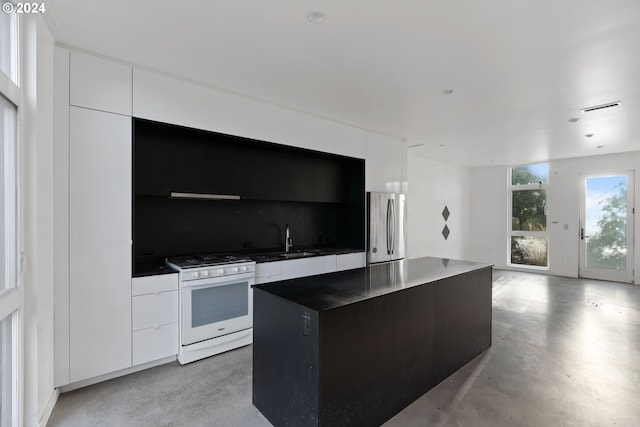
<point>385,162</point>
<point>100,84</point>
<point>164,99</point>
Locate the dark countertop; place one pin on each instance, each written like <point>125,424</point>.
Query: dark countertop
<point>152,269</point>
<point>333,290</point>
<point>158,267</point>
<point>273,256</point>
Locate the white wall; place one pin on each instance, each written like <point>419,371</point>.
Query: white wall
<point>489,204</point>
<point>432,186</point>
<point>37,220</point>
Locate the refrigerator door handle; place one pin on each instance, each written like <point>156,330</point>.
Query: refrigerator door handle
<point>388,227</point>
<point>392,226</point>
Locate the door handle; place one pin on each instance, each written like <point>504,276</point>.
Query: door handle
<point>582,236</point>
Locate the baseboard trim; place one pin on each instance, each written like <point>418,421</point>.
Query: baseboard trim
<point>48,409</point>
<point>111,375</point>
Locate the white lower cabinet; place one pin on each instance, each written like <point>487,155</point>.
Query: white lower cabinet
<point>308,266</point>
<point>155,343</point>
<point>290,269</point>
<point>268,272</point>
<point>154,309</point>
<point>350,261</point>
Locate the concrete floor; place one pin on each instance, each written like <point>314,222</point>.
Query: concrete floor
<point>566,352</point>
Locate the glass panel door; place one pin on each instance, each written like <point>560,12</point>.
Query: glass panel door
<point>606,227</point>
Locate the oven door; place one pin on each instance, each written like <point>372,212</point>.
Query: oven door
<point>214,307</point>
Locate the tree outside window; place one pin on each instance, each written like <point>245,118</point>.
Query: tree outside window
<point>529,243</point>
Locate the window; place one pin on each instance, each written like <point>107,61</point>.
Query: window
<point>528,229</point>
<point>10,293</point>
<point>8,45</point>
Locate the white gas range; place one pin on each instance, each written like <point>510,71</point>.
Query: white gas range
<point>216,304</point>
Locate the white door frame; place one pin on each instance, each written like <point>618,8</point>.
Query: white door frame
<point>627,275</point>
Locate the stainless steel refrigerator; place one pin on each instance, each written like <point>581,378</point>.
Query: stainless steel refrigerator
<point>386,238</point>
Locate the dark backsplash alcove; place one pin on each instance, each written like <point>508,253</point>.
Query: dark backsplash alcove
<point>167,227</point>
<point>320,195</point>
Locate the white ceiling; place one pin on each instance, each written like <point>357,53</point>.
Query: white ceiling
<point>520,69</point>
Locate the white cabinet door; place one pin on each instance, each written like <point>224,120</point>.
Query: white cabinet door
<point>99,243</point>
<point>154,284</point>
<point>100,84</point>
<point>308,266</point>
<point>268,272</point>
<point>154,310</point>
<point>155,326</point>
<point>350,261</point>
<point>155,343</point>
<point>165,99</point>
<point>384,164</point>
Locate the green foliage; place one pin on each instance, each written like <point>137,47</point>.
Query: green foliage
<point>529,251</point>
<point>531,174</point>
<point>528,213</point>
<point>528,210</point>
<point>607,248</point>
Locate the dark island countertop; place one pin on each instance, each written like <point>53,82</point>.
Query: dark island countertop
<point>333,290</point>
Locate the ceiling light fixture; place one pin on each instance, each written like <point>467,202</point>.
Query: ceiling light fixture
<point>600,146</point>
<point>447,91</point>
<point>589,135</point>
<point>316,17</point>
<point>574,119</point>
<point>601,106</point>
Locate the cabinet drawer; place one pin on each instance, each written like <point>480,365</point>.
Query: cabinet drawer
<point>268,279</point>
<point>154,284</point>
<point>308,266</point>
<point>349,261</point>
<point>268,269</point>
<point>155,343</point>
<point>154,310</point>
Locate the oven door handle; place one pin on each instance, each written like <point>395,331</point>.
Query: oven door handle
<point>210,282</point>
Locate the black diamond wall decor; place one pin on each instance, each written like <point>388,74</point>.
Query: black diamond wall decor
<point>445,232</point>
<point>445,213</point>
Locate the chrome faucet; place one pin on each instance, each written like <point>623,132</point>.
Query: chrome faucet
<point>287,240</point>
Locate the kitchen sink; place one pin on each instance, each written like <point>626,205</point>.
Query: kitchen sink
<point>279,256</point>
<point>293,255</point>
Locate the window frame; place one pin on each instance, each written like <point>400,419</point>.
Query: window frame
<point>12,298</point>
<point>511,188</point>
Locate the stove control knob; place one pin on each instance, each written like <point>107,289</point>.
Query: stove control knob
<point>205,273</point>
<point>236,270</point>
<point>221,271</point>
<point>196,274</point>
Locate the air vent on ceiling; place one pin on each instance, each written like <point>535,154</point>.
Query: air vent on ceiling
<point>600,107</point>
<point>416,145</point>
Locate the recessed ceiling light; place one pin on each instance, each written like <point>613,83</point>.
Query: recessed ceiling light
<point>589,135</point>
<point>316,17</point>
<point>600,146</point>
<point>440,145</point>
<point>574,119</point>
<point>601,106</point>
<point>447,91</point>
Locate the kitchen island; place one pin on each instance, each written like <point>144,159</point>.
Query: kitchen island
<point>356,347</point>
